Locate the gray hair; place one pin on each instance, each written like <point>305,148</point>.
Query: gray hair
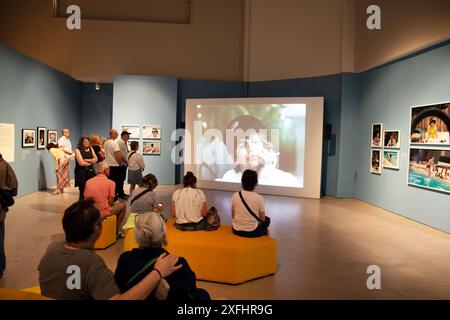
<point>102,167</point>
<point>150,230</point>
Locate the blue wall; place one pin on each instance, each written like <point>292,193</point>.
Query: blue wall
<point>140,100</point>
<point>386,95</point>
<point>97,109</point>
<point>33,95</point>
<point>348,139</point>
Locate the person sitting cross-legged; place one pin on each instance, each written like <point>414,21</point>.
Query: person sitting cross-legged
<point>189,205</point>
<point>71,270</point>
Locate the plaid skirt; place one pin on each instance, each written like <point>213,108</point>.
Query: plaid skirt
<point>63,175</point>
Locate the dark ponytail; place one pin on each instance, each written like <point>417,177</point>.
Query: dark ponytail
<point>189,180</point>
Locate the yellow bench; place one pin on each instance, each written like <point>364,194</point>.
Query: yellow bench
<point>108,236</point>
<point>11,294</point>
<point>219,256</point>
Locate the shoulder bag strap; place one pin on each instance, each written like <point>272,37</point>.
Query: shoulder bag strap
<point>140,195</point>
<point>141,271</point>
<point>248,208</point>
<point>131,154</point>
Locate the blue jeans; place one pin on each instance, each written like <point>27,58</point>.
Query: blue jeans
<point>2,246</point>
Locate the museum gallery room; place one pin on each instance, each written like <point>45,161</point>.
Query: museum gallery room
<point>192,150</point>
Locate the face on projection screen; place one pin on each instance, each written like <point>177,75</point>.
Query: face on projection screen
<point>268,136</point>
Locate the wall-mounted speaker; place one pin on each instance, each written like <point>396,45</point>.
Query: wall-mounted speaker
<point>327,131</point>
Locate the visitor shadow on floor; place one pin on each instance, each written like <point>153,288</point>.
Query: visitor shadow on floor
<point>48,208</point>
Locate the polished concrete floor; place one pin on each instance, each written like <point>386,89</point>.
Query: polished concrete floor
<point>325,247</point>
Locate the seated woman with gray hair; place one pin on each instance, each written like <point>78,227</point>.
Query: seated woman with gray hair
<point>151,235</point>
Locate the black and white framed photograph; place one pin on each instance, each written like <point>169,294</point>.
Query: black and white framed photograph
<point>52,136</point>
<point>151,132</point>
<point>28,138</point>
<point>41,137</point>
<point>152,148</point>
<point>392,139</point>
<point>377,135</point>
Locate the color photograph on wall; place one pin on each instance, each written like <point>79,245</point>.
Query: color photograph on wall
<point>52,136</point>
<point>430,124</point>
<point>28,138</point>
<point>392,139</point>
<point>135,131</point>
<point>42,136</point>
<point>430,169</point>
<point>151,132</point>
<point>152,148</point>
<point>391,159</point>
<point>375,161</point>
<point>377,138</point>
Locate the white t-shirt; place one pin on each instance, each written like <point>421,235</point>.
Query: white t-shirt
<point>136,161</point>
<point>188,205</point>
<point>110,147</point>
<point>243,220</point>
<point>66,145</point>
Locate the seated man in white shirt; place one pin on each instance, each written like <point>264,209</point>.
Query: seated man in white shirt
<point>189,205</point>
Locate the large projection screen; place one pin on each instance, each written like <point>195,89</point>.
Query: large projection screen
<point>280,138</point>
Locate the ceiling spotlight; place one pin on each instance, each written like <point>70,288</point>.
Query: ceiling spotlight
<point>97,86</point>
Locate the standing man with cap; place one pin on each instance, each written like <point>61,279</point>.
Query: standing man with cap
<point>123,145</point>
<point>113,159</point>
<point>8,190</point>
<point>65,144</point>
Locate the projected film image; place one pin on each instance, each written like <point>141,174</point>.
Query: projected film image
<point>267,138</point>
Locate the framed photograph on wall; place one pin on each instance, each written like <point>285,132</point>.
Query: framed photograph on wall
<point>41,137</point>
<point>391,159</point>
<point>152,148</point>
<point>377,135</point>
<point>151,132</point>
<point>134,130</point>
<point>429,169</point>
<point>430,124</point>
<point>375,161</point>
<point>392,139</point>
<point>28,138</point>
<point>52,136</point>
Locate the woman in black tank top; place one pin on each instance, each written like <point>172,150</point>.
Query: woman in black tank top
<point>84,169</point>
